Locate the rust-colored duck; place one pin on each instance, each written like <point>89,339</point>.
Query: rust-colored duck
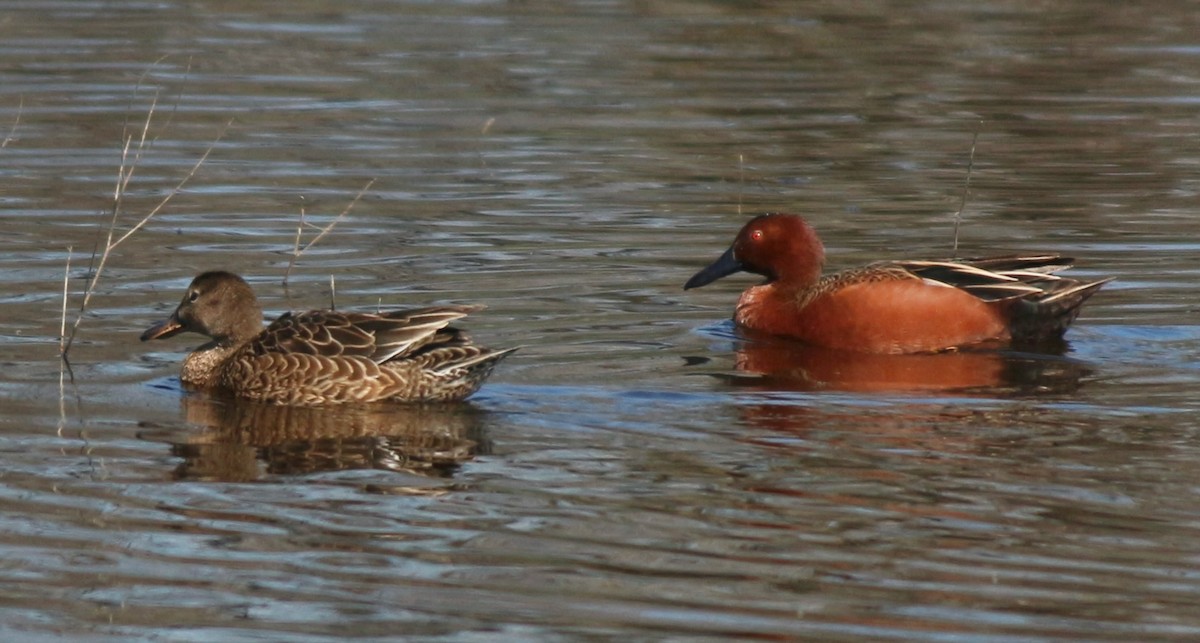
<point>894,306</point>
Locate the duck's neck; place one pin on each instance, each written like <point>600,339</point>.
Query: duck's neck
<point>801,262</point>
<point>203,366</point>
<point>774,306</point>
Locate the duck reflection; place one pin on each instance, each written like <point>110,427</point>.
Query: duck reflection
<point>779,363</point>
<point>245,440</point>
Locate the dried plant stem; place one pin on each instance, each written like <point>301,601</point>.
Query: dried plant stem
<point>741,181</point>
<point>124,174</point>
<point>296,244</point>
<point>123,177</point>
<point>297,250</point>
<point>12,133</point>
<point>64,365</point>
<point>187,73</point>
<point>62,326</point>
<point>966,188</point>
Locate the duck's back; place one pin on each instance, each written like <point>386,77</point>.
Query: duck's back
<point>325,357</point>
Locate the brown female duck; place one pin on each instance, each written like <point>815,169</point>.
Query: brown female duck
<point>321,356</point>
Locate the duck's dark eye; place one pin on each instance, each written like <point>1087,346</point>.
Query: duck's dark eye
<point>193,296</point>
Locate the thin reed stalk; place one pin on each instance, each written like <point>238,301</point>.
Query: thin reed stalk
<point>12,132</point>
<point>962,205</point>
<point>125,174</point>
<point>62,326</point>
<point>297,250</point>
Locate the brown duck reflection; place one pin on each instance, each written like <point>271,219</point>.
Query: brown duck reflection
<point>246,440</point>
<point>784,364</point>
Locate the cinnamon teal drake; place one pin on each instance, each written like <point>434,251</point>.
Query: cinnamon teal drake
<point>894,306</point>
<point>324,357</point>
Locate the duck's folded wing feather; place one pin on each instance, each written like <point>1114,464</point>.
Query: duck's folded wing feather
<point>996,278</point>
<point>1044,264</point>
<point>378,337</point>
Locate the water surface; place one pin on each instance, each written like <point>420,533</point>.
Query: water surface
<point>636,470</point>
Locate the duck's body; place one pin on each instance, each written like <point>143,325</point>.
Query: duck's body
<point>894,306</point>
<point>324,357</point>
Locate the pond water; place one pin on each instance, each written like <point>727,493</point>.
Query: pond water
<point>636,471</point>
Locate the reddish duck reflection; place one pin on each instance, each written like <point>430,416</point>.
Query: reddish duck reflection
<point>780,363</point>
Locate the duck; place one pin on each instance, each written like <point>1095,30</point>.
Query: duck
<point>324,357</point>
<point>894,307</point>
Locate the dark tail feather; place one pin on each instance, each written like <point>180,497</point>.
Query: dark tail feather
<point>1047,317</point>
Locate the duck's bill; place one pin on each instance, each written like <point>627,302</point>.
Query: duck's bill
<point>168,327</point>
<point>724,266</point>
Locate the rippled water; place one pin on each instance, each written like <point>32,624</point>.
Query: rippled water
<point>636,471</point>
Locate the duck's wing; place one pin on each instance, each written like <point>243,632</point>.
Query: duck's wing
<point>1046,264</point>
<point>1002,278</point>
<point>379,337</point>
<point>455,357</point>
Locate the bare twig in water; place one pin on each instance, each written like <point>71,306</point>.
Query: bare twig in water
<point>124,175</point>
<point>137,90</point>
<point>296,243</point>
<point>187,72</point>
<point>12,133</point>
<point>479,142</point>
<point>741,181</point>
<point>64,365</point>
<point>62,326</point>
<point>297,250</point>
<point>966,188</point>
<point>332,293</point>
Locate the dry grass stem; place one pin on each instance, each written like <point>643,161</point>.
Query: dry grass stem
<point>741,181</point>
<point>12,133</point>
<point>124,174</point>
<point>296,243</point>
<point>62,326</point>
<point>297,250</point>
<point>137,90</point>
<point>187,72</point>
<point>64,366</point>
<point>178,187</point>
<point>962,205</point>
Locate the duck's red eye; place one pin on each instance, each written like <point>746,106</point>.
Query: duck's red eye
<point>756,235</point>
